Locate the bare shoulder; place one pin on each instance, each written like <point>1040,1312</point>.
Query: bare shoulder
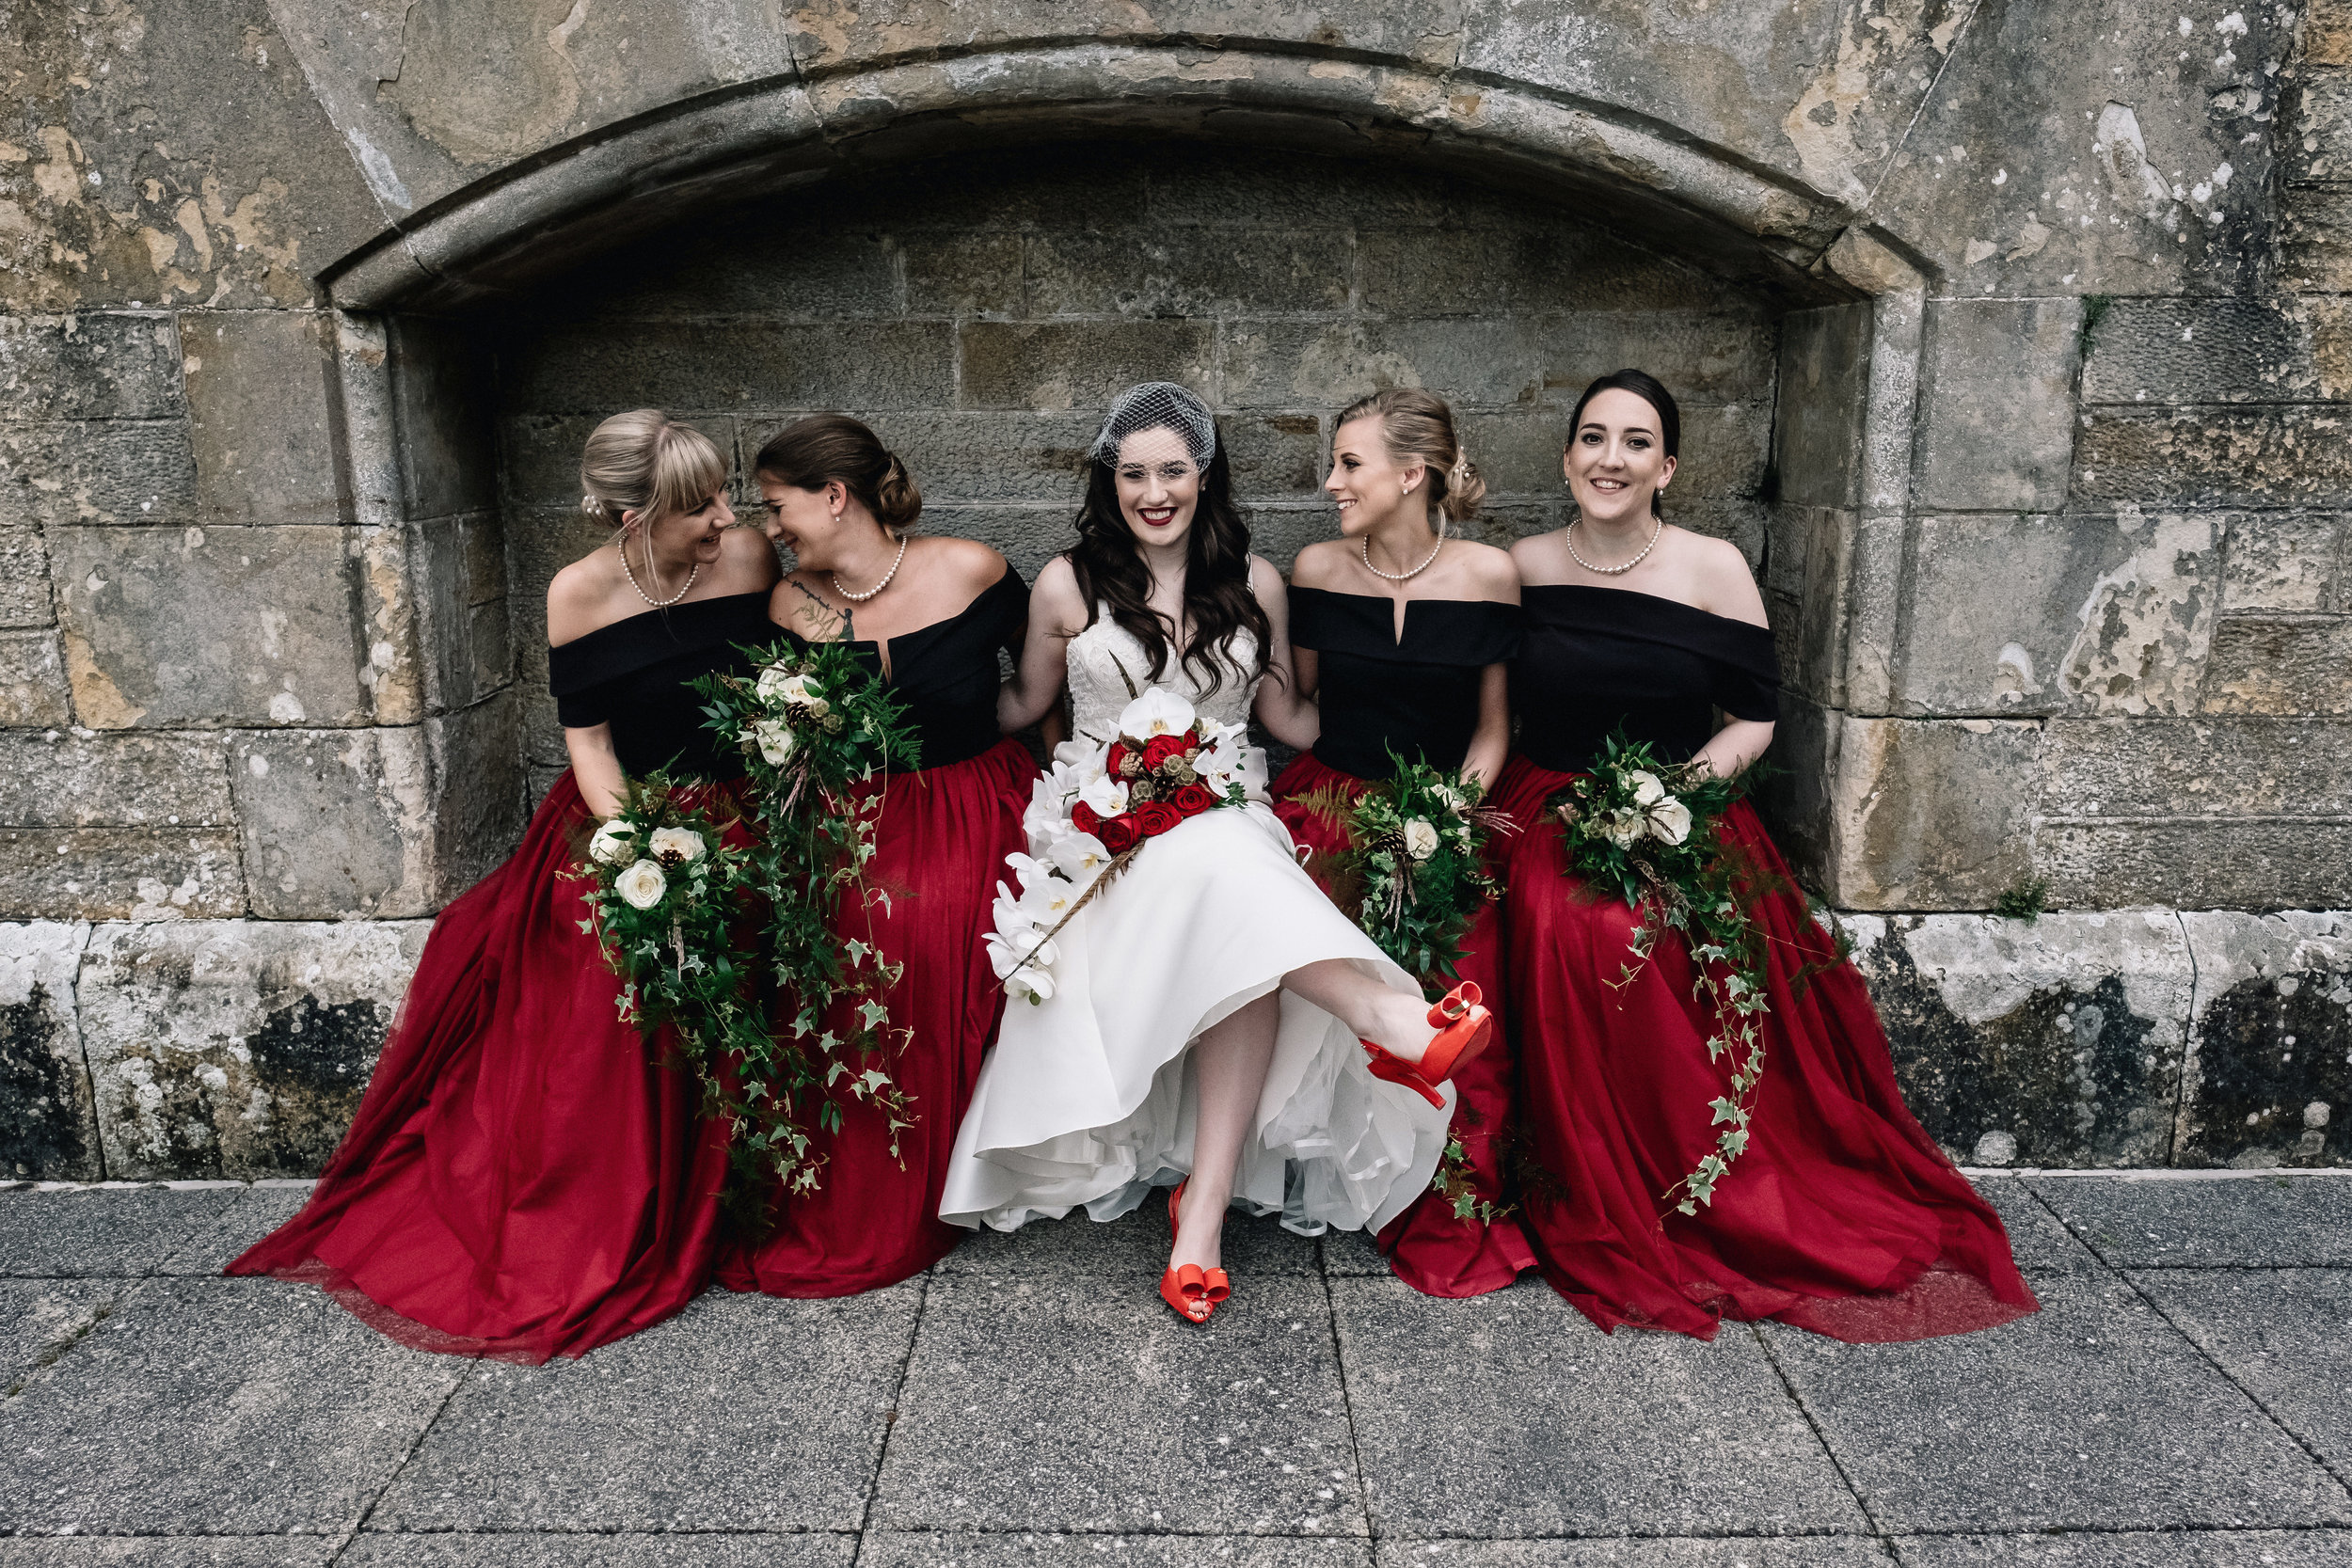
<point>1055,601</point>
<point>975,565</point>
<point>747,560</point>
<point>1320,564</point>
<point>1488,572</point>
<point>1540,558</point>
<point>1725,586</point>
<point>578,598</point>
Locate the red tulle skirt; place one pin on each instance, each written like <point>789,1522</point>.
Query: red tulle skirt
<point>1428,1247</point>
<point>525,1177</point>
<point>1842,1217</point>
<point>939,852</point>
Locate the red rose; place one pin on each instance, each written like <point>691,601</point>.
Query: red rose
<point>1192,798</point>
<point>1163,748</point>
<point>1119,833</point>
<point>1110,758</point>
<point>1156,818</point>
<point>1085,819</point>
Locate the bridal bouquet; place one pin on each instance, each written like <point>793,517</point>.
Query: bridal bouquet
<point>1414,872</point>
<point>1646,830</point>
<point>1096,810</point>
<point>813,724</point>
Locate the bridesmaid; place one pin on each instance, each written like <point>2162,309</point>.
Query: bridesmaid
<point>929,616</point>
<point>1843,1217</point>
<point>525,1177</point>
<point>1400,632</point>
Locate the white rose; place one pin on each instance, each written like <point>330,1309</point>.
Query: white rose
<point>771,683</point>
<point>1623,829</point>
<point>817,707</point>
<point>611,845</point>
<point>1454,800</point>
<point>1156,712</point>
<point>775,740</point>
<point>800,689</point>
<point>675,845</point>
<point>1647,791</point>
<point>1420,839</point>
<point>1669,821</point>
<point>641,884</point>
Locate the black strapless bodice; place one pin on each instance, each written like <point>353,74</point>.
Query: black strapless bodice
<point>632,675</point>
<point>1379,693</point>
<point>1595,660</point>
<point>946,672</point>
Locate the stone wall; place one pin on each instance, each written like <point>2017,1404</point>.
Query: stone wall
<point>2013,340</point>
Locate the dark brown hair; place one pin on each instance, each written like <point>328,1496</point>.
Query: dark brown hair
<point>810,454</point>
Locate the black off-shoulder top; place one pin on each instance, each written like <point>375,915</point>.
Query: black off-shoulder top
<point>632,675</point>
<point>1417,694</point>
<point>1598,659</point>
<point>946,672</point>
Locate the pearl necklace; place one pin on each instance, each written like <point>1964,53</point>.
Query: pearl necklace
<point>1401,577</point>
<point>1613,571</point>
<point>861,598</point>
<point>659,604</point>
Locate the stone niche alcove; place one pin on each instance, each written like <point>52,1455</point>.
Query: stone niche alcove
<point>978,310</point>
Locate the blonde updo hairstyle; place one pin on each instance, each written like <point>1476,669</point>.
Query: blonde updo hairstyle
<point>1418,425</point>
<point>645,462</point>
<point>810,454</point>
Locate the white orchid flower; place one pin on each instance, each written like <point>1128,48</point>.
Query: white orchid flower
<point>1080,857</point>
<point>1007,914</point>
<point>1420,839</point>
<point>643,884</point>
<point>612,844</point>
<point>675,845</point>
<point>775,740</point>
<point>1669,821</point>
<point>1048,900</point>
<point>1106,795</point>
<point>1648,790</point>
<point>1032,985</point>
<point>1156,712</point>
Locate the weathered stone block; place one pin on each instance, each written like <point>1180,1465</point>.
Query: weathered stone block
<point>1926,816</point>
<point>2057,1041</point>
<point>236,1048</point>
<point>760,261</point>
<point>2295,455</point>
<point>2288,560</point>
<point>104,365</point>
<point>1028,536</point>
<point>1274,454</point>
<point>97,472</point>
<point>24,601</point>
<point>1449,271</point>
<point>2097,614</point>
<point>1996,402</point>
<point>336,822</point>
<point>50,1133</point>
<point>2195,351</point>
<point>2328,33</point>
<point>1179,272</point>
<point>2170,766</point>
<point>196,627</point>
<point>981,456</point>
<point>1793,797</point>
<point>441,378</point>
<point>81,780</point>
<point>32,680</point>
<point>1074,366</point>
<point>539,453</point>
<point>119,873</point>
<point>1825,377</point>
<point>261,401</point>
<point>691,368</point>
<point>2280,664</point>
<point>2316,129</point>
<point>2315,241</point>
<point>2269,1070</point>
<point>2194,862</point>
<point>479,807</point>
<point>962,275</point>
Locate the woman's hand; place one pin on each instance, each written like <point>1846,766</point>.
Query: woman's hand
<point>1735,748</point>
<point>1490,743</point>
<point>596,770</point>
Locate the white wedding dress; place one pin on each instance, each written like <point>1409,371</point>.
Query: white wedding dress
<point>1088,1098</point>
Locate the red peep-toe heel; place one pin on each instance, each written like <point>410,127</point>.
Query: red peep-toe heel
<point>1464,1029</point>
<point>1192,1291</point>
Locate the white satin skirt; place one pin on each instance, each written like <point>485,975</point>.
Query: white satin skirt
<point>1088,1098</point>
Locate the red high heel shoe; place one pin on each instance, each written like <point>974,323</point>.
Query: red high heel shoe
<point>1464,1029</point>
<point>1192,1291</point>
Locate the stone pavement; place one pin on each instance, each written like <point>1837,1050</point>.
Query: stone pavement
<point>2185,1398</point>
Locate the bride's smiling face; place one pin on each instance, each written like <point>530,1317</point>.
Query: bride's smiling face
<point>1158,484</point>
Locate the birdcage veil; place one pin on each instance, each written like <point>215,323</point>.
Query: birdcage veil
<point>1157,405</point>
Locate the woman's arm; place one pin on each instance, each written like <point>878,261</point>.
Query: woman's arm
<point>1286,707</point>
<point>1490,743</point>
<point>1735,748</point>
<point>1727,588</point>
<point>595,767</point>
<point>1055,617</point>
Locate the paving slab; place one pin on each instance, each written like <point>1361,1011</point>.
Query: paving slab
<point>2036,1238</point>
<point>1085,1405</point>
<point>1354,1253</point>
<point>219,1551</point>
<point>233,1406</point>
<point>2221,1222</point>
<point>742,1413</point>
<point>2285,1336</point>
<point>102,1232</point>
<point>499,1551</point>
<point>1744,1551</point>
<point>257,1212</point>
<point>38,1318</point>
<point>1027,1549</point>
<point>1509,1415</point>
<point>2318,1548</point>
<point>2090,1413</point>
<point>1131,1247</point>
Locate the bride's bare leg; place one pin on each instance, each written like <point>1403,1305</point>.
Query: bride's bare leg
<point>1386,1018</point>
<point>1229,1065</point>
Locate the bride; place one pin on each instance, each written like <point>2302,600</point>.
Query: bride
<point>1213,1020</point>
